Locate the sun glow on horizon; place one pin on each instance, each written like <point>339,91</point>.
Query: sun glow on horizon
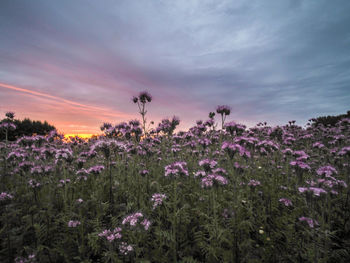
<point>80,135</point>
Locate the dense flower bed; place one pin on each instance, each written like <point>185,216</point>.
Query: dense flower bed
<point>265,194</point>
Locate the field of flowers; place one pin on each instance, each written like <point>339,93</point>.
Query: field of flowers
<point>227,194</point>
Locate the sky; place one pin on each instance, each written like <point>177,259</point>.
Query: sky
<point>77,63</point>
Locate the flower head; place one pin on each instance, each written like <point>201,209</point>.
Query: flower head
<point>144,97</point>
<point>223,109</point>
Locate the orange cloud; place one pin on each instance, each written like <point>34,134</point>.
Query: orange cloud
<point>62,112</point>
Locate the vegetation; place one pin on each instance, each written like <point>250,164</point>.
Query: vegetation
<point>26,127</point>
<point>265,194</point>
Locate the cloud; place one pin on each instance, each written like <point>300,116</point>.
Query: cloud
<point>275,61</point>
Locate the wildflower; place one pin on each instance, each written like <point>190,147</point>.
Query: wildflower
<point>8,126</point>
<point>132,220</point>
<point>176,169</point>
<point>124,248</point>
<point>286,201</point>
<point>63,154</point>
<point>97,169</point>
<point>33,183</point>
<point>326,170</point>
<point>4,196</point>
<point>158,199</point>
<point>144,97</point>
<point>315,190</point>
<point>146,223</point>
<point>232,149</point>
<point>111,235</point>
<point>208,164</point>
<point>254,182</point>
<point>233,127</point>
<point>72,223</point>
<point>344,151</point>
<point>80,200</point>
<point>311,222</point>
<point>223,109</point>
<point>300,164</point>
<point>10,115</point>
<point>210,179</point>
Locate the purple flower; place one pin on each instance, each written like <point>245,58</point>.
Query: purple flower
<point>72,223</point>
<point>176,169</point>
<point>4,196</point>
<point>146,223</point>
<point>233,148</point>
<point>300,165</point>
<point>254,182</point>
<point>210,179</point>
<point>315,190</point>
<point>344,151</point>
<point>223,109</point>
<point>97,169</point>
<point>158,199</point>
<point>144,97</point>
<point>311,222</point>
<point>326,170</point>
<point>111,235</point>
<point>124,248</point>
<point>286,201</point>
<point>33,183</point>
<point>233,127</point>
<point>208,164</point>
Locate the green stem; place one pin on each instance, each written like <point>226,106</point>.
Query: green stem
<point>174,223</point>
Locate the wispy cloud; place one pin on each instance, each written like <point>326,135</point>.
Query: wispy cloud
<point>275,60</point>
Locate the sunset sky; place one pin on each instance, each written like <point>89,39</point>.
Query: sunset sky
<point>77,63</point>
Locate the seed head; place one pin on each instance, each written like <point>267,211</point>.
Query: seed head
<point>144,97</point>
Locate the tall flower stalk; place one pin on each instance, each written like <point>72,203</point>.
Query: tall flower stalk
<point>224,111</point>
<point>141,101</point>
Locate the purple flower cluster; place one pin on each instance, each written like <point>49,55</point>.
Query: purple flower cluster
<point>29,259</point>
<point>7,126</point>
<point>286,201</point>
<point>300,164</point>
<point>234,128</point>
<point>64,154</point>
<point>223,109</point>
<point>72,223</point>
<point>5,196</point>
<point>176,169</point>
<point>210,179</point>
<point>326,170</point>
<point>233,148</point>
<point>33,183</point>
<point>315,190</point>
<point>311,222</point>
<point>158,199</point>
<point>344,151</point>
<point>208,164</point>
<point>111,235</point>
<point>318,145</point>
<point>63,182</point>
<point>254,182</point>
<point>97,169</point>
<point>124,248</point>
<point>133,219</point>
<point>168,126</point>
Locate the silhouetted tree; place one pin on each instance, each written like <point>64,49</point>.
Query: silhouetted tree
<point>25,127</point>
<point>329,120</point>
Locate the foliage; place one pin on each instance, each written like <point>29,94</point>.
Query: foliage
<point>265,194</point>
<point>27,127</point>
